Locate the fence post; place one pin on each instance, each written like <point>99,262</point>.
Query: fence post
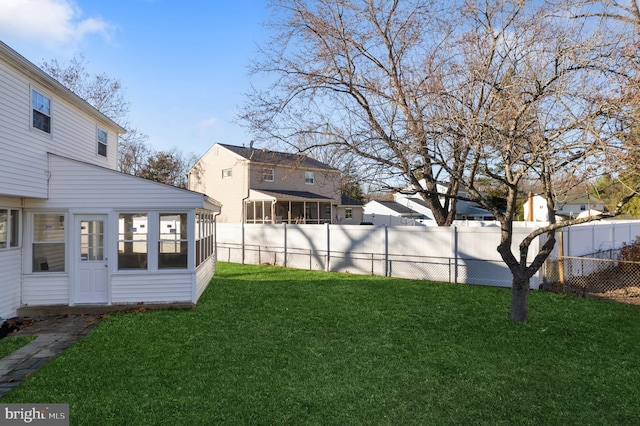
<point>386,252</point>
<point>285,245</point>
<point>327,268</point>
<point>561,256</point>
<point>242,232</point>
<point>454,236</point>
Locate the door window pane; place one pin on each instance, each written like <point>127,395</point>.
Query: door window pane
<point>91,240</point>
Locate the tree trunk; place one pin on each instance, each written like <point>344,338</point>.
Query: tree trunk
<point>519,298</point>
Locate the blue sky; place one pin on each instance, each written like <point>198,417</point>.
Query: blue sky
<point>183,64</point>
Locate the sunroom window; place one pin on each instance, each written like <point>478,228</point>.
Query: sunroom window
<point>132,241</point>
<point>174,243</point>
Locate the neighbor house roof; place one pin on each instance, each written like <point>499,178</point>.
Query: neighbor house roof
<point>292,195</point>
<point>274,157</point>
<point>345,200</point>
<point>397,207</point>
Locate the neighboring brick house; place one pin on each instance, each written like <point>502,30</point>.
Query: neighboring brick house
<point>262,186</point>
<point>74,230</point>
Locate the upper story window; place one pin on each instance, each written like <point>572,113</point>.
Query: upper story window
<point>268,175</point>
<point>102,142</point>
<point>226,174</point>
<point>41,111</point>
<point>309,178</point>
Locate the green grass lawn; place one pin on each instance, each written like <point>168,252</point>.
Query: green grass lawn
<point>269,345</point>
<point>12,343</point>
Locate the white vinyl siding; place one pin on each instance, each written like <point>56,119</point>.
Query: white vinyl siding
<point>208,177</point>
<point>78,184</point>
<point>24,149</point>
<point>205,271</point>
<point>152,288</point>
<point>10,271</point>
<point>45,290</point>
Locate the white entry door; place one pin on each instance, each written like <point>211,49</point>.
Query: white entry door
<point>91,278</point>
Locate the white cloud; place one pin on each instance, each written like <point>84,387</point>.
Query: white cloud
<point>208,123</point>
<point>56,23</point>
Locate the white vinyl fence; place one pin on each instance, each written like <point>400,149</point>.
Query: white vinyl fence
<point>463,253</point>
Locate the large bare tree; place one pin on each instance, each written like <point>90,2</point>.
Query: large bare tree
<point>359,75</point>
<point>535,96</point>
<point>481,93</point>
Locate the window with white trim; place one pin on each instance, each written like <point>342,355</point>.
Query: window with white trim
<point>48,248</point>
<point>268,175</point>
<point>9,228</point>
<point>309,178</point>
<point>41,111</point>
<point>226,174</point>
<point>348,213</point>
<point>133,241</point>
<point>102,142</point>
<point>173,245</point>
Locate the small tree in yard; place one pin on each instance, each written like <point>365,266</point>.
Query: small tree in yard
<point>477,93</point>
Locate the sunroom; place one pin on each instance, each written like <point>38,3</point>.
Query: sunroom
<point>293,207</point>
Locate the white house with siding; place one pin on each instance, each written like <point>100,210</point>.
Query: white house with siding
<point>74,230</point>
<point>566,207</point>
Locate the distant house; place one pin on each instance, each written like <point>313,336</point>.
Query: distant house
<point>74,230</point>
<point>566,207</point>
<point>409,206</point>
<point>381,212</point>
<point>263,186</point>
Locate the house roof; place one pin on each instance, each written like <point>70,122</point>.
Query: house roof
<point>274,157</point>
<point>293,195</point>
<point>126,185</point>
<point>345,200</point>
<point>397,207</point>
<point>41,77</point>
